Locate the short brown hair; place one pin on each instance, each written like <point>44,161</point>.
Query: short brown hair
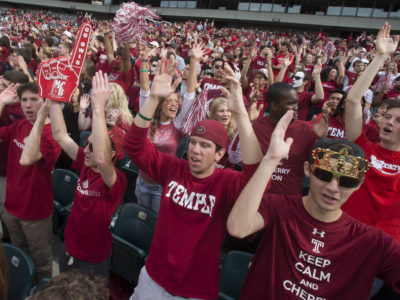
<point>74,285</point>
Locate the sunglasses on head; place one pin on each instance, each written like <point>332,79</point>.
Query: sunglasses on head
<point>344,181</point>
<point>219,67</point>
<point>87,143</point>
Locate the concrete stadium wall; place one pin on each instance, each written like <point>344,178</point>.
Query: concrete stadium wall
<point>275,19</point>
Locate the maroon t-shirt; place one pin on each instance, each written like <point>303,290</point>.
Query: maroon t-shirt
<point>87,236</point>
<point>328,86</point>
<point>124,80</point>
<point>304,105</point>
<point>258,63</point>
<point>288,176</point>
<point>191,225</point>
<point>29,194</point>
<point>336,128</point>
<point>300,257</point>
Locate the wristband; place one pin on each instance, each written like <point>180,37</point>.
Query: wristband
<point>144,118</point>
<point>145,70</point>
<point>144,60</point>
<point>82,112</point>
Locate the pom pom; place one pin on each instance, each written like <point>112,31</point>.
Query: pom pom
<point>132,21</point>
<point>197,113</point>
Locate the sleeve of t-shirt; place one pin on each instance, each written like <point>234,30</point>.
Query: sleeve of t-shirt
<point>389,267</point>
<point>49,147</point>
<point>188,100</point>
<point>80,160</point>
<point>145,155</point>
<point>118,189</point>
<point>364,143</point>
<point>5,133</point>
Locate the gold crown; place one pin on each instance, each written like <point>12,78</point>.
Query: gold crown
<point>322,159</point>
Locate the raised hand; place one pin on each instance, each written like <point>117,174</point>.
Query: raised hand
<point>235,99</point>
<point>317,70</point>
<point>101,90</point>
<point>44,110</point>
<point>254,111</point>
<point>288,60</point>
<point>384,44</point>
<point>198,50</point>
<point>321,128</point>
<point>9,95</point>
<point>85,102</point>
<point>162,85</point>
<point>278,146</point>
<point>59,77</point>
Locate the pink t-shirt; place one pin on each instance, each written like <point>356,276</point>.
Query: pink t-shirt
<point>29,194</point>
<point>87,236</point>
<point>191,225</point>
<point>288,176</point>
<point>300,257</point>
<point>377,201</point>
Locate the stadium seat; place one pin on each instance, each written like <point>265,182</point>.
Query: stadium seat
<point>64,184</point>
<point>233,274</point>
<point>131,171</point>
<point>40,284</point>
<point>132,236</point>
<point>20,270</point>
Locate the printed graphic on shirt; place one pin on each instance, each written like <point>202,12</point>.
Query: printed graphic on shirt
<point>312,268</point>
<point>383,167</point>
<point>336,133</point>
<point>280,172</point>
<point>83,189</point>
<point>19,144</point>
<point>190,200</point>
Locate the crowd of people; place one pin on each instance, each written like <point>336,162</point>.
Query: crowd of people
<point>312,122</point>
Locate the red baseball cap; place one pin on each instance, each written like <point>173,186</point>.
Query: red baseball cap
<point>211,130</point>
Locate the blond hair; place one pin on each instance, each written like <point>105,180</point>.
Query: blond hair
<point>118,100</point>
<point>213,112</point>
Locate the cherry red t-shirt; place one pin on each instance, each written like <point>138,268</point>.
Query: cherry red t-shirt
<point>124,80</point>
<point>300,257</point>
<point>288,176</point>
<point>191,225</point>
<point>10,114</point>
<point>377,201</point>
<point>87,236</point>
<point>29,194</point>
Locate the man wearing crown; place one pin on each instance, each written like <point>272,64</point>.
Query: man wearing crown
<point>311,248</point>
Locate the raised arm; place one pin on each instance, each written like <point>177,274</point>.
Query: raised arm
<point>161,88</point>
<point>126,57</point>
<point>319,90</point>
<point>108,43</point>
<point>59,131</point>
<point>286,63</point>
<point>84,122</point>
<point>8,97</point>
<point>246,67</point>
<point>198,51</point>
<point>244,218</point>
<point>385,46</point>
<point>251,151</point>
<point>102,154</point>
<point>31,152</point>
<point>271,79</point>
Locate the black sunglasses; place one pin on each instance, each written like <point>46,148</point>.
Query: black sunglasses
<point>88,144</point>
<point>219,67</point>
<point>297,77</point>
<point>344,181</point>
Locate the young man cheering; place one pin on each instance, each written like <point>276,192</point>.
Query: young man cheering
<point>311,249</point>
<point>196,199</point>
